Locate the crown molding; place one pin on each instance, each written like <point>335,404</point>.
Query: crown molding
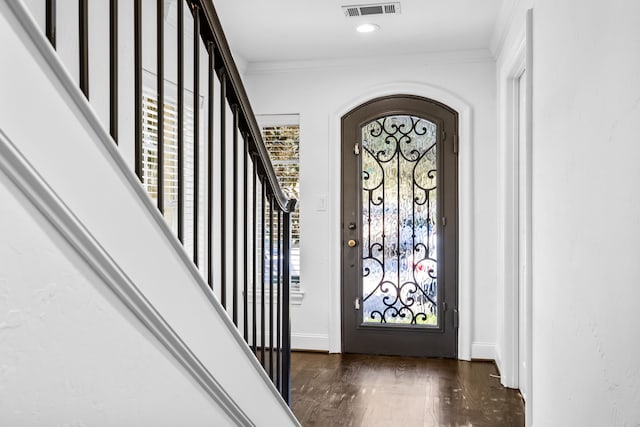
<point>501,29</point>
<point>427,58</point>
<point>511,14</point>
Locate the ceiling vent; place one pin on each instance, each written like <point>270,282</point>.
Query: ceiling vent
<point>371,9</point>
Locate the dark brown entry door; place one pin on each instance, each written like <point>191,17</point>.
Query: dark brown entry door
<point>400,228</point>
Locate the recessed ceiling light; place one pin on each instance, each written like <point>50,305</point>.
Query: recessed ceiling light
<point>367,28</point>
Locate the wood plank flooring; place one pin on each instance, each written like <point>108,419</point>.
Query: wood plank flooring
<point>362,390</point>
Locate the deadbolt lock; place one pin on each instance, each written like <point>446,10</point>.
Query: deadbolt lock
<point>351,243</point>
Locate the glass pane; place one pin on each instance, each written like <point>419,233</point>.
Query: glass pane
<point>283,144</point>
<point>399,208</point>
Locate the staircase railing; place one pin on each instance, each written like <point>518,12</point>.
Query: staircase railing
<point>208,171</point>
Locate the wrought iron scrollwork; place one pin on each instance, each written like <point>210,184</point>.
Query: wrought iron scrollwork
<point>399,254</point>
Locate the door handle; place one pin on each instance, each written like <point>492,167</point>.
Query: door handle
<point>351,243</point>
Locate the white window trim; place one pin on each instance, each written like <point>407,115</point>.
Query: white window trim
<point>265,120</point>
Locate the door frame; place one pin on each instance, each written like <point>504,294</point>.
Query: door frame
<point>438,341</point>
<point>509,150</point>
<point>465,205</point>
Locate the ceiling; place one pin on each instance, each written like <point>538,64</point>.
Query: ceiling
<point>288,30</point>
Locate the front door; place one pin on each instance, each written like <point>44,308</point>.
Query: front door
<point>399,228</point>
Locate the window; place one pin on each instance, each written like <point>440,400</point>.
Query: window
<point>150,155</point>
<point>281,135</point>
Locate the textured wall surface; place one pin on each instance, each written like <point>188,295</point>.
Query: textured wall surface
<point>70,352</point>
<point>586,228</point>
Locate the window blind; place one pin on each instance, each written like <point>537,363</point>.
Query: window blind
<point>150,159</point>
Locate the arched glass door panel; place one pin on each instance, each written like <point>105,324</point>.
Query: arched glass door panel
<point>399,221</point>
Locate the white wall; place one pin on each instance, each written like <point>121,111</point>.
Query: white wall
<point>317,91</point>
<point>586,227</point>
<point>71,353</point>
<point>53,304</point>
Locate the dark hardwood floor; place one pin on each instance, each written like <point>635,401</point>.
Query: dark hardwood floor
<point>361,390</point>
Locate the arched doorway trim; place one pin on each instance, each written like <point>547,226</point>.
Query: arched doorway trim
<point>465,203</point>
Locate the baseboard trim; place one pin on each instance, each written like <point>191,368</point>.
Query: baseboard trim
<point>302,342</point>
<point>310,342</point>
<point>483,351</point>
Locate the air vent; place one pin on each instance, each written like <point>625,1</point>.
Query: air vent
<point>371,9</point>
